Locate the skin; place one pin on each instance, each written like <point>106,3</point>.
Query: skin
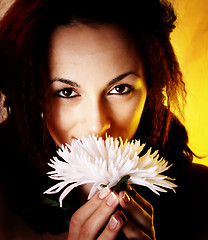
<point>97,86</point>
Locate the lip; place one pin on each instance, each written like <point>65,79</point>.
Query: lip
<point>76,139</point>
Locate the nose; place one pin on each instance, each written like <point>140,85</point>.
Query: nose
<point>96,119</point>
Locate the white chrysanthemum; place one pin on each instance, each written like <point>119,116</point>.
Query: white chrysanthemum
<point>105,162</point>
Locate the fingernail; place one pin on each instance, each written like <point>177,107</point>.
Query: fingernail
<point>126,198</point>
<point>104,192</point>
<point>131,192</point>
<point>128,188</point>
<point>111,199</point>
<point>113,223</point>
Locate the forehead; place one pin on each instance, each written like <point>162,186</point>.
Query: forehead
<point>82,47</point>
<point>81,36</point>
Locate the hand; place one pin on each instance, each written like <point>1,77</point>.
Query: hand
<point>91,221</point>
<point>137,214</point>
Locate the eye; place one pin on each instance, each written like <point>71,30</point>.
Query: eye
<point>121,90</point>
<point>66,93</point>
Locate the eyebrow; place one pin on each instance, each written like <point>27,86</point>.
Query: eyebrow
<point>65,81</point>
<point>119,78</point>
<point>74,84</point>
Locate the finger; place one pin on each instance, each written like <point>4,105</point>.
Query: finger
<point>137,214</point>
<point>111,231</point>
<point>83,213</point>
<point>132,231</point>
<point>96,222</point>
<point>140,200</point>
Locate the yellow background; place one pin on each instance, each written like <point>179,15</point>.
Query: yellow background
<point>190,41</point>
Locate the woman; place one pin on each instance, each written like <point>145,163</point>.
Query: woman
<point>74,69</point>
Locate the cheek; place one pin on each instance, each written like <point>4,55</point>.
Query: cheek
<point>59,122</point>
<point>127,116</point>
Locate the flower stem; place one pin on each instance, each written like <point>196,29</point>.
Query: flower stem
<point>122,184</point>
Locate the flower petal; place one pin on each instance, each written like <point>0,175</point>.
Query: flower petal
<point>105,162</point>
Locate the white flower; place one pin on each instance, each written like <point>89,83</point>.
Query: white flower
<point>105,162</point>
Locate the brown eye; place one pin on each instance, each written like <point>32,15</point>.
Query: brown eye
<point>66,93</point>
<point>121,90</point>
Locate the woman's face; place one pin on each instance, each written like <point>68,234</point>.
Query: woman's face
<point>97,83</point>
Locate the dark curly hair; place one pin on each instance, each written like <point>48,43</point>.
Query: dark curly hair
<point>24,35</point>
